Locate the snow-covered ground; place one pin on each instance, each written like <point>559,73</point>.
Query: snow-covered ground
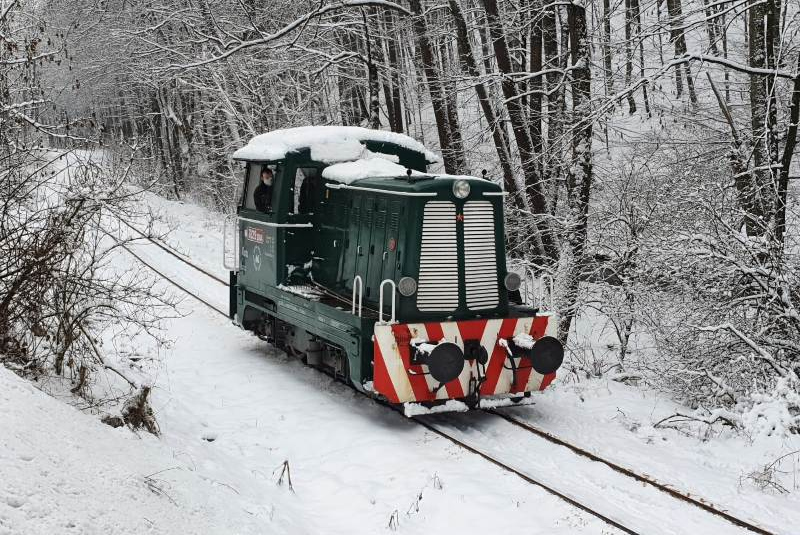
<point>232,411</point>
<point>62,471</point>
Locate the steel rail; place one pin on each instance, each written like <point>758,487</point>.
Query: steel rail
<point>675,493</point>
<point>169,280</point>
<point>171,251</point>
<point>162,275</point>
<point>527,478</point>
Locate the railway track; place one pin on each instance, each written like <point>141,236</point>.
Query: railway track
<point>680,495</point>
<point>170,251</point>
<point>675,493</point>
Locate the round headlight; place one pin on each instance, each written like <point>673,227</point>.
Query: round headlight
<point>407,286</point>
<point>461,189</point>
<point>512,282</point>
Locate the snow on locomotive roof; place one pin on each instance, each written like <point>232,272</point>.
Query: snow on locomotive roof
<point>378,166</point>
<point>328,144</point>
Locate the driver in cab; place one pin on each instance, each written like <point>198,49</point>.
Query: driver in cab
<point>262,196</point>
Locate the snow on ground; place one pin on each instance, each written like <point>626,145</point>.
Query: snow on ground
<point>63,472</point>
<point>591,410</point>
<point>232,411</point>
<point>354,464</point>
<point>617,421</point>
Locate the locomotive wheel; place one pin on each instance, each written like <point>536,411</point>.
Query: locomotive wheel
<point>292,352</point>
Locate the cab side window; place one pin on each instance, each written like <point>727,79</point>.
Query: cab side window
<point>260,186</point>
<point>307,182</point>
<point>253,172</point>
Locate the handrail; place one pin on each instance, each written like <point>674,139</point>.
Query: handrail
<point>360,285</point>
<point>331,185</point>
<point>542,279</point>
<point>380,302</point>
<point>230,256</point>
<point>541,284</point>
<point>536,295</point>
<point>277,225</point>
<point>526,271</point>
<point>525,286</point>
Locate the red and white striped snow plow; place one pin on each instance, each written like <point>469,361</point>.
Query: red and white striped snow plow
<point>468,360</point>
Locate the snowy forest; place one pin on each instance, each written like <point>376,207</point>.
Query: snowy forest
<point>647,148</point>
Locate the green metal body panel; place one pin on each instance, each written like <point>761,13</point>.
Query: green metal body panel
<point>358,239</point>
<point>339,327</point>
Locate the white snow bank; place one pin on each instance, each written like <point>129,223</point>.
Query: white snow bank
<point>348,172</point>
<point>354,462</point>
<point>62,471</point>
<point>328,144</point>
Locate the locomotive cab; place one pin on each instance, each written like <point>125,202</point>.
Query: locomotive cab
<point>392,278</point>
<point>287,223</point>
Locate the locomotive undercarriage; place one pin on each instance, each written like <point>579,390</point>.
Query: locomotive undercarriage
<point>312,350</point>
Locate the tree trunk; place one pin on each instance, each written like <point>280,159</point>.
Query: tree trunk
<point>711,29</point>
<point>548,252</point>
<point>579,181</point>
<point>629,55</point>
<point>786,160</point>
<point>676,21</point>
<point>498,134</point>
<point>393,102</point>
<point>556,104</point>
<point>535,86</point>
<point>636,14</point>
<point>373,83</point>
<point>451,107</point>
<point>607,68</point>
<point>353,110</point>
<point>453,162</point>
<point>761,122</point>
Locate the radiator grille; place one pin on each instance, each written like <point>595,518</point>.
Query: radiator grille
<point>438,265</point>
<point>480,257</point>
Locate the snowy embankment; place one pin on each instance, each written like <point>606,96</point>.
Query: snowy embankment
<point>62,471</point>
<point>232,411</point>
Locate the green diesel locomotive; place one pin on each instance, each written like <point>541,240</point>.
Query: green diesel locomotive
<point>354,258</point>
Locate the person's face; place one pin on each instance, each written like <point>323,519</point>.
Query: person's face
<point>266,177</point>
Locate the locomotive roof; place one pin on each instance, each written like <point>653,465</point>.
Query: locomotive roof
<point>423,183</point>
<point>381,167</point>
<point>327,144</point>
<point>378,173</point>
